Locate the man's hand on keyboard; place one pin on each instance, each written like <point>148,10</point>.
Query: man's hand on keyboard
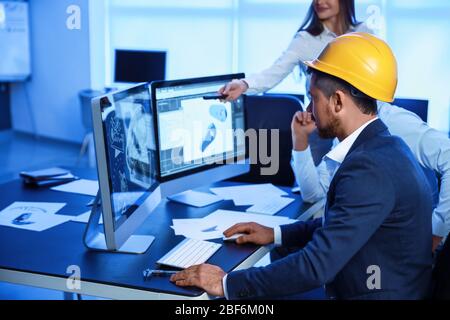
<point>255,233</point>
<point>204,276</point>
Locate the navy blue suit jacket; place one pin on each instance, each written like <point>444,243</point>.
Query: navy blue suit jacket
<point>377,225</point>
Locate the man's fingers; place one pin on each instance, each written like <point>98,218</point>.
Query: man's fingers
<point>227,89</point>
<point>245,239</point>
<point>183,283</point>
<point>178,276</point>
<point>191,281</point>
<point>238,228</point>
<point>186,273</point>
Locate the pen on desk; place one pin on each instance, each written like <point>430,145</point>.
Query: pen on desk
<point>158,273</point>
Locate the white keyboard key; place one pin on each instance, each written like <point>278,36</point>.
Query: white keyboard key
<point>189,252</point>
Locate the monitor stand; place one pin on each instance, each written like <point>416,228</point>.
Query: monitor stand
<point>94,235</point>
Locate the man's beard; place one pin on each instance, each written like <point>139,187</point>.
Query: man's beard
<point>330,132</point>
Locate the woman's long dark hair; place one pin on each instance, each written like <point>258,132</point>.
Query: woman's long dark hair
<point>314,26</point>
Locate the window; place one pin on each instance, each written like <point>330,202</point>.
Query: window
<point>211,37</point>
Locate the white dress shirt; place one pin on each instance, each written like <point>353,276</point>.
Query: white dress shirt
<point>303,47</point>
<point>430,147</point>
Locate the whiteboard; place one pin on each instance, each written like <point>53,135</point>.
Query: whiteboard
<point>14,41</point>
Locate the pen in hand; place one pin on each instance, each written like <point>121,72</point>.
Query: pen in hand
<point>157,273</point>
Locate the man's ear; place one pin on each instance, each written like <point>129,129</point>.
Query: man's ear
<point>337,99</point>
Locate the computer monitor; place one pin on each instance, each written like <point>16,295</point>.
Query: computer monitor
<point>132,66</point>
<point>127,170</point>
<point>198,141</point>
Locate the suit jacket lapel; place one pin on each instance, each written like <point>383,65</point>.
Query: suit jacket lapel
<point>375,128</point>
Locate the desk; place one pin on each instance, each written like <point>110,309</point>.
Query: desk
<point>41,259</point>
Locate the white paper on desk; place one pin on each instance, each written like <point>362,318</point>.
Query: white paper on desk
<point>84,218</point>
<point>213,225</point>
<point>185,222</point>
<point>200,235</point>
<point>35,222</point>
<point>201,229</point>
<point>195,198</point>
<point>34,216</point>
<point>274,204</point>
<point>251,194</point>
<point>82,186</point>
<point>20,207</point>
<point>226,219</point>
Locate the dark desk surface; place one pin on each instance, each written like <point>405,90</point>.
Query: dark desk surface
<point>50,252</point>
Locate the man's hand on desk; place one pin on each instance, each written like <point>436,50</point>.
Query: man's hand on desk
<point>209,277</point>
<point>204,276</point>
<point>302,126</point>
<point>255,233</point>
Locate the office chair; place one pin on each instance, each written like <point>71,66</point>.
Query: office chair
<point>271,112</point>
<point>85,97</point>
<point>301,97</point>
<point>441,278</point>
<point>419,107</point>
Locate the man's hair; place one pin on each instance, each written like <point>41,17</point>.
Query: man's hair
<point>329,84</point>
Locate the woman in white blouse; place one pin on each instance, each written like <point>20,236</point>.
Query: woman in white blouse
<point>325,20</point>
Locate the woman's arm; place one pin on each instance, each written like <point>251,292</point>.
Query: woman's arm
<point>280,69</point>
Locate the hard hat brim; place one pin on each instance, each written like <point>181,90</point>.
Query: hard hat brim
<point>320,66</point>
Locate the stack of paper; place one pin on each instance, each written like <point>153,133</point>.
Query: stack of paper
<point>82,186</point>
<point>47,177</point>
<point>246,195</point>
<point>213,225</point>
<point>34,216</point>
<point>84,218</point>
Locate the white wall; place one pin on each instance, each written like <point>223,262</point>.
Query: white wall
<point>418,32</point>
<point>61,67</point>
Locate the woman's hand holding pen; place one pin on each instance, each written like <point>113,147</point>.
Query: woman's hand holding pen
<point>233,89</point>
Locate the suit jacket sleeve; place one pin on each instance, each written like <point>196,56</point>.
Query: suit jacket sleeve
<point>364,197</point>
<point>300,233</point>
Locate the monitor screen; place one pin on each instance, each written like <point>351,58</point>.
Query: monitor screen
<point>194,133</point>
<point>139,66</point>
<point>130,149</point>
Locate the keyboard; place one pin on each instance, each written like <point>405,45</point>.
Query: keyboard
<point>189,252</point>
<point>271,206</point>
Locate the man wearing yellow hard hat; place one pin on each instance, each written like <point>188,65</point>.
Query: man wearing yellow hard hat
<point>375,238</point>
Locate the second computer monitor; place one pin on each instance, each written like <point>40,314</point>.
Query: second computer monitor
<point>133,66</point>
<point>199,141</point>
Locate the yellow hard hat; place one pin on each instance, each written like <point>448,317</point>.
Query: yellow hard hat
<point>364,61</point>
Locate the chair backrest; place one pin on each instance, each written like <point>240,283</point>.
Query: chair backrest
<point>419,107</point>
<point>441,278</point>
<point>301,97</point>
<point>271,112</point>
<point>86,97</point>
